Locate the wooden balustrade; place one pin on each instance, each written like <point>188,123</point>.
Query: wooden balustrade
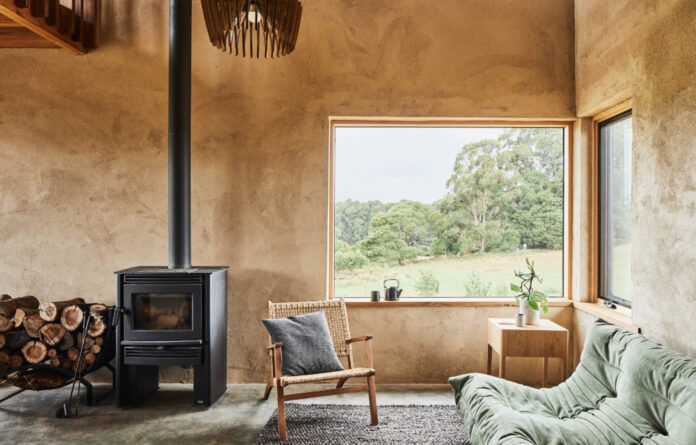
<point>70,24</point>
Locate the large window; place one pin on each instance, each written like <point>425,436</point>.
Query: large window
<point>450,212</point>
<point>615,138</point>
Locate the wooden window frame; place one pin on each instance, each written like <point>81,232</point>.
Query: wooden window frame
<point>595,241</point>
<point>566,124</point>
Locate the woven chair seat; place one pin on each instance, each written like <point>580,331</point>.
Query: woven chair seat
<point>334,375</point>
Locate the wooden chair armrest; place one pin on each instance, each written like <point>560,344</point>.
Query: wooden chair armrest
<point>356,339</point>
<point>273,346</point>
<point>368,348</point>
<point>276,356</point>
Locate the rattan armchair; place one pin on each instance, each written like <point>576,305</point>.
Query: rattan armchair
<point>337,318</point>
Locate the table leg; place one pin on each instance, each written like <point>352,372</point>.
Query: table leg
<point>489,356</point>
<point>565,367</point>
<point>544,375</point>
<point>501,372</point>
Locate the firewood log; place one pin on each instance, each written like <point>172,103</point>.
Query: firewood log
<point>96,326</point>
<point>55,362</point>
<point>16,361</point>
<point>4,356</point>
<point>32,324</point>
<point>71,317</point>
<point>2,341</point>
<point>66,342</point>
<point>73,354</point>
<point>83,366</point>
<point>4,297</point>
<point>8,307</point>
<point>21,313</point>
<point>52,333</point>
<point>98,309</point>
<point>49,310</point>
<point>99,341</point>
<point>6,323</point>
<point>96,349</point>
<point>4,367</point>
<point>89,358</point>
<point>52,352</point>
<point>16,339</point>
<point>38,379</point>
<point>66,363</point>
<point>34,351</point>
<point>89,341</point>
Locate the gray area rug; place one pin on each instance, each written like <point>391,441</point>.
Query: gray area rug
<point>350,424</point>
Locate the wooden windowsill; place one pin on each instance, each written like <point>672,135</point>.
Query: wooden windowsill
<point>474,302</point>
<point>621,316</point>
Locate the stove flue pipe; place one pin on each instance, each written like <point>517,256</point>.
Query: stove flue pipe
<point>179,134</point>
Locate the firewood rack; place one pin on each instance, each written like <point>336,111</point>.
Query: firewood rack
<point>103,361</point>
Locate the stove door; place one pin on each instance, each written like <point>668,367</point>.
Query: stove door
<point>163,312</point>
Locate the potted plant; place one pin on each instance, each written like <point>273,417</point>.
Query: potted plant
<point>530,300</point>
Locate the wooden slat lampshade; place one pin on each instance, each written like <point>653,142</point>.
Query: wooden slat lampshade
<point>253,28</point>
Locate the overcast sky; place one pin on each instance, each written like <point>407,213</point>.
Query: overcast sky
<point>391,164</point>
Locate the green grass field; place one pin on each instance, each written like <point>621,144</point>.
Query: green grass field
<point>453,272</point>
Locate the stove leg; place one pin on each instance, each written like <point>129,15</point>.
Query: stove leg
<point>201,386</point>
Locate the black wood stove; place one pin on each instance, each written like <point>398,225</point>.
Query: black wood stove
<point>171,317</point>
<point>176,314</point>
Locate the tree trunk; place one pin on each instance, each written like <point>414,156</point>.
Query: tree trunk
<point>52,333</point>
<point>35,352</point>
<point>8,307</point>
<point>33,324</point>
<point>50,310</point>
<point>17,339</point>
<point>21,313</point>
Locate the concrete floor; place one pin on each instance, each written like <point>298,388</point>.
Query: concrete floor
<point>169,416</point>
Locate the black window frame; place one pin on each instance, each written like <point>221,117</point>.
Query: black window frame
<point>605,291</point>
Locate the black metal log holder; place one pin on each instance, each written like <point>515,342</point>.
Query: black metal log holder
<point>105,356</point>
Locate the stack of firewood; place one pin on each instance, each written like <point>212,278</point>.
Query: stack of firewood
<point>33,332</point>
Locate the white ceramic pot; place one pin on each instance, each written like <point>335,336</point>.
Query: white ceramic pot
<point>531,315</point>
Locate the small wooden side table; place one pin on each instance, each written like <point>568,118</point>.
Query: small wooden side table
<point>547,340</point>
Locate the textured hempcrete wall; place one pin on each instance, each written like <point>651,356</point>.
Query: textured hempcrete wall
<point>650,48</point>
<point>83,143</point>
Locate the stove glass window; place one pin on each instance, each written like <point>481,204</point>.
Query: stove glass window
<point>162,311</point>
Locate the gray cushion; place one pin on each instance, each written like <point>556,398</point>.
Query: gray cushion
<point>307,345</point>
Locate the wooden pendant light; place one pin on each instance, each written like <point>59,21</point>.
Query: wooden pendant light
<point>243,26</point>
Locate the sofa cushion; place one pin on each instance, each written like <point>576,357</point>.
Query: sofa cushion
<point>626,389</point>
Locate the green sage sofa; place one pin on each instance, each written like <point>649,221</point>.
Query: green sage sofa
<point>626,390</point>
